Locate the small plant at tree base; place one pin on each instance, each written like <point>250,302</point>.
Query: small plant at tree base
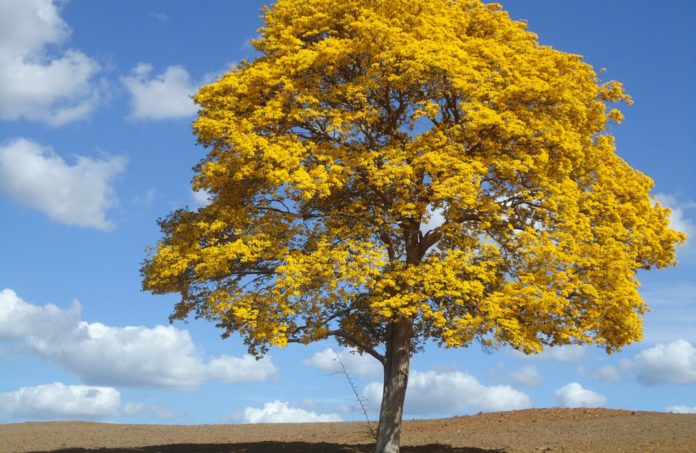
<point>357,395</point>
<point>361,121</point>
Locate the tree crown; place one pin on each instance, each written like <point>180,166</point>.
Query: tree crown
<point>365,121</point>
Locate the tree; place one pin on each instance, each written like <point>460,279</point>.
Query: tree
<point>362,121</point>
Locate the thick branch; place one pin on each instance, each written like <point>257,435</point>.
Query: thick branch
<point>353,339</point>
<point>388,243</point>
<point>431,238</point>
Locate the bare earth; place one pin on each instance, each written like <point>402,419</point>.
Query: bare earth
<point>533,430</point>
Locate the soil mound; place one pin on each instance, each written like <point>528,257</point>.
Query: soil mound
<point>532,430</point>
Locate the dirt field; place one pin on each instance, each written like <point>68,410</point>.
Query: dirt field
<point>534,431</point>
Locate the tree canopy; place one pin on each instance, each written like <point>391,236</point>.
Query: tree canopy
<point>420,160</point>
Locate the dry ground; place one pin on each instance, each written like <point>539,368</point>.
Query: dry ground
<point>533,430</point>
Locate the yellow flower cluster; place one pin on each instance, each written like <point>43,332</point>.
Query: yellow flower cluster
<point>364,119</point>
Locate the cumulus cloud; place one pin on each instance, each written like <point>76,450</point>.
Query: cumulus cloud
<point>280,412</point>
<point>162,413</point>
<point>159,357</point>
<point>527,376</point>
<point>564,354</point>
<point>436,392</point>
<point>164,96</point>
<point>19,319</point>
<point>38,86</point>
<point>364,366</point>
<point>80,194</point>
<point>678,219</point>
<point>60,402</point>
<point>573,395</point>
<point>681,409</point>
<point>673,363</point>
<point>239,370</point>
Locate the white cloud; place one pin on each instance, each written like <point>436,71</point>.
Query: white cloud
<point>237,371</point>
<point>564,354</point>
<point>527,376</point>
<point>36,176</point>
<point>498,368</point>
<point>364,366</point>
<point>147,199</point>
<point>681,409</point>
<point>436,219</point>
<point>310,403</point>
<point>673,363</point>
<point>246,45</point>
<point>60,402</point>
<point>133,409</point>
<point>436,392</point>
<point>159,357</point>
<point>335,405</point>
<point>677,219</point>
<point>166,96</point>
<point>346,410</point>
<point>201,198</point>
<point>150,196</point>
<point>626,365</point>
<point>212,76</point>
<point>573,395</point>
<point>279,412</point>
<point>33,84</point>
<point>162,413</point>
<point>160,16</point>
<point>606,373</point>
<point>19,319</point>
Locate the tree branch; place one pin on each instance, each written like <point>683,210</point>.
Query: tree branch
<point>353,339</point>
<point>467,218</point>
<point>387,241</point>
<point>431,238</point>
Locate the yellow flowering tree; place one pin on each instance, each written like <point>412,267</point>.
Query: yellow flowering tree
<point>390,172</point>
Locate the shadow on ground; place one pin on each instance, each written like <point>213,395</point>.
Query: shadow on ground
<point>274,447</point>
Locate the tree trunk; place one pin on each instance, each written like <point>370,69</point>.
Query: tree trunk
<point>398,356</point>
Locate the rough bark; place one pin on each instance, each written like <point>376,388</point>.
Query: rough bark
<point>396,367</point>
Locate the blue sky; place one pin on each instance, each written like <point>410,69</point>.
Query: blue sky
<point>95,145</point>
